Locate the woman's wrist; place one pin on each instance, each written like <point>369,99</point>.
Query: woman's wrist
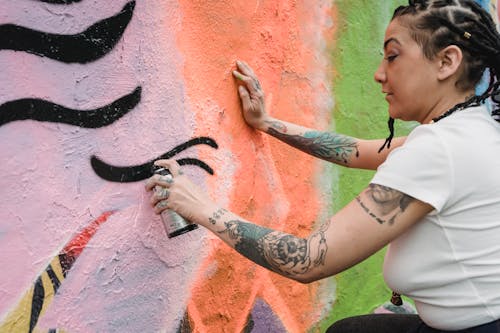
<point>265,123</point>
<point>209,214</point>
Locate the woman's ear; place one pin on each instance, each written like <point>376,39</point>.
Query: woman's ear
<point>450,58</point>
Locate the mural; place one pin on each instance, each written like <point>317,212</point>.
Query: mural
<point>92,93</point>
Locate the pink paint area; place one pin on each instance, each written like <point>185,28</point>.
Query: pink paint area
<point>50,190</point>
<point>126,281</point>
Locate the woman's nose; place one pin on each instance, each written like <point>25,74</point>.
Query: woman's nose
<point>380,76</point>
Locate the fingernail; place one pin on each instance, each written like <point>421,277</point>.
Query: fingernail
<point>238,75</point>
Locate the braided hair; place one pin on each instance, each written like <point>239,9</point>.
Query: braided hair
<point>436,24</point>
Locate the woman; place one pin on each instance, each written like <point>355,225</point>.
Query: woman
<point>435,199</point>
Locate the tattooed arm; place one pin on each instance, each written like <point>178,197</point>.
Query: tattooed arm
<point>283,253</point>
<point>330,146</point>
<point>377,216</point>
<point>333,147</point>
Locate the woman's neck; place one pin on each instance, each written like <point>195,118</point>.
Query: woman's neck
<point>448,105</point>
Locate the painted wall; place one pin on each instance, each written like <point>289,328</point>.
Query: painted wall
<point>92,91</point>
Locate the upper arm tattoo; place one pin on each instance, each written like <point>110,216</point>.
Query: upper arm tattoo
<point>384,204</point>
<point>275,250</point>
<point>328,146</point>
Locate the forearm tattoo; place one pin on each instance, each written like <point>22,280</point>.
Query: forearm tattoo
<point>257,84</point>
<point>217,215</point>
<point>277,125</point>
<point>332,147</point>
<point>387,204</point>
<point>280,252</point>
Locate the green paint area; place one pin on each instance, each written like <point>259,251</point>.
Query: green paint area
<point>360,111</point>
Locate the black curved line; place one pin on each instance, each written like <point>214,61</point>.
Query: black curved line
<point>87,46</point>
<point>196,162</point>
<point>60,2</point>
<point>36,303</point>
<point>41,110</point>
<point>128,174</point>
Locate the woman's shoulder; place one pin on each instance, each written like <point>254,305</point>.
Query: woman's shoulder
<point>476,115</point>
<point>467,124</point>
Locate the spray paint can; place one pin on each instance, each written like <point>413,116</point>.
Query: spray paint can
<point>174,224</point>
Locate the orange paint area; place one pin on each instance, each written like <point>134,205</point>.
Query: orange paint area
<point>271,184</point>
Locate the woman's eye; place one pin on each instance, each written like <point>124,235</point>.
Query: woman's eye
<point>391,58</point>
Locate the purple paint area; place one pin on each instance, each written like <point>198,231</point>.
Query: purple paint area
<point>265,320</point>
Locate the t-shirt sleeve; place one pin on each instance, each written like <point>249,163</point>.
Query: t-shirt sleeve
<point>420,168</point>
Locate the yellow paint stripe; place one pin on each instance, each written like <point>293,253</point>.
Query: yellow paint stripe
<point>18,320</point>
<point>49,293</point>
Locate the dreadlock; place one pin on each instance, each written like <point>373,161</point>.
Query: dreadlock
<point>436,24</point>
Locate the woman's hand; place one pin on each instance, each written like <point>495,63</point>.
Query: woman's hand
<point>252,96</point>
<point>177,192</point>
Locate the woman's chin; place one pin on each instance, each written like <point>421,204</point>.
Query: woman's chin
<point>394,113</point>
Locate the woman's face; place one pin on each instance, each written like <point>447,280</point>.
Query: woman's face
<point>408,78</point>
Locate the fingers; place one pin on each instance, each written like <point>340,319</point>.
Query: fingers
<point>245,68</point>
<point>161,206</point>
<point>171,165</point>
<point>159,180</point>
<point>160,193</point>
<point>251,83</point>
<point>246,103</point>
<point>247,76</point>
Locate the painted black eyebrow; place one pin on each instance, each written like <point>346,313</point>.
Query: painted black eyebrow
<point>134,173</point>
<point>45,111</point>
<point>87,46</point>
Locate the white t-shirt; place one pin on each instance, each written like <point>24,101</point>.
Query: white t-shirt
<point>449,263</point>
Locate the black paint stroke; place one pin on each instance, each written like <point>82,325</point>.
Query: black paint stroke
<point>53,278</point>
<point>87,46</point>
<point>185,324</point>
<point>128,174</point>
<point>66,262</point>
<point>41,110</point>
<point>37,303</point>
<point>60,2</point>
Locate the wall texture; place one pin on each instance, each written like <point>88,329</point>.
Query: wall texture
<point>93,91</point>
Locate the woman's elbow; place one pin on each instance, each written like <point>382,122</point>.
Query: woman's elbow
<point>310,278</point>
<point>305,280</point>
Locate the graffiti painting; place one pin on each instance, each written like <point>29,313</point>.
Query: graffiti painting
<point>92,93</point>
